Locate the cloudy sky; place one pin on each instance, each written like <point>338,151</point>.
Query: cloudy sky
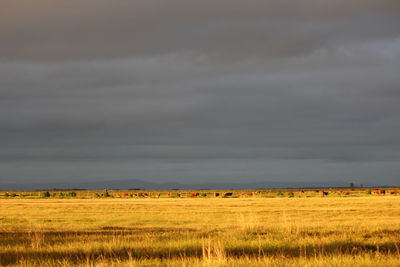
<point>200,91</point>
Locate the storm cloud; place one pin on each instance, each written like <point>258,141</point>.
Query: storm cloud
<point>200,91</point>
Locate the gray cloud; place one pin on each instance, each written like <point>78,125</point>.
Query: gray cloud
<point>200,90</point>
<point>65,30</point>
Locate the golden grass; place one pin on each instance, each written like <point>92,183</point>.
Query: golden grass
<point>362,231</point>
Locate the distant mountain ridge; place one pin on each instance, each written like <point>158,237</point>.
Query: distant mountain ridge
<point>143,185</point>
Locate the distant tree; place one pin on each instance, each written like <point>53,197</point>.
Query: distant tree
<point>351,185</point>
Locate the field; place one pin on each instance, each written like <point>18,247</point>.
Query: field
<point>265,229</point>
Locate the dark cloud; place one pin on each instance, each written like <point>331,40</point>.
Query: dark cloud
<point>188,90</point>
<point>64,30</point>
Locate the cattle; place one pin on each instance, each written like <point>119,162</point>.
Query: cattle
<point>216,194</point>
<point>378,192</point>
<point>302,191</point>
<point>324,193</point>
<point>126,195</point>
<point>228,194</point>
<point>393,192</point>
<point>195,194</point>
<point>158,195</point>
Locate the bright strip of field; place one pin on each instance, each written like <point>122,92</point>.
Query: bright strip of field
<point>237,231</point>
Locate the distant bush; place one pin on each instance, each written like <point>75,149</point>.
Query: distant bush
<point>61,195</point>
<point>45,194</point>
<point>290,194</point>
<point>71,194</point>
<point>106,194</point>
<point>13,195</point>
<point>7,194</point>
<point>369,191</point>
<point>203,195</point>
<point>280,194</point>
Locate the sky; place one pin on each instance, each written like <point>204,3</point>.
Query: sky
<point>200,91</point>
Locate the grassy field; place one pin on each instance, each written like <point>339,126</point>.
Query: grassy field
<point>244,231</point>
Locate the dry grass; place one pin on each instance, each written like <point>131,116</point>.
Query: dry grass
<point>362,231</point>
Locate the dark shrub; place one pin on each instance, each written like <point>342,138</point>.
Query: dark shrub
<point>45,194</point>
<point>71,194</point>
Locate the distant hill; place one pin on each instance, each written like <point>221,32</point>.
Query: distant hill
<point>139,184</point>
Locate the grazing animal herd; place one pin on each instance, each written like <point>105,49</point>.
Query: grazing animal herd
<point>169,194</point>
<point>208,193</point>
<point>267,193</point>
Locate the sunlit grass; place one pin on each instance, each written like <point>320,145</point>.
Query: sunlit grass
<point>362,231</point>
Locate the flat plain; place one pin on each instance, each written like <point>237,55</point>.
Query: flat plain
<point>244,231</point>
